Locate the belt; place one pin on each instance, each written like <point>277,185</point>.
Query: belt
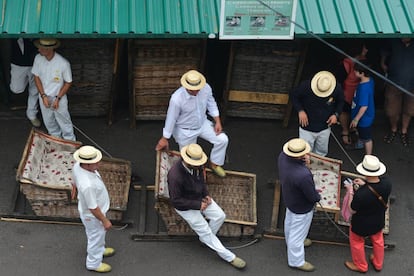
<point>186,128</point>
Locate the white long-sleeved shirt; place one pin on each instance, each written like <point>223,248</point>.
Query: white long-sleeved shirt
<point>189,112</point>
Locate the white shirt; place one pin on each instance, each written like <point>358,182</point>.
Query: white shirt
<point>189,112</point>
<point>53,73</point>
<point>92,191</point>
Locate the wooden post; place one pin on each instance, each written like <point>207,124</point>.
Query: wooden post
<point>301,63</point>
<point>114,82</point>
<point>227,83</point>
<point>276,204</point>
<point>131,57</point>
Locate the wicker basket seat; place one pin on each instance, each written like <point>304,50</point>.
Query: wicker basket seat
<point>236,195</point>
<point>45,177</point>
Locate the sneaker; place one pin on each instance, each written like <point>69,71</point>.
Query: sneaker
<point>218,170</point>
<point>307,267</point>
<point>109,251</point>
<point>307,242</point>
<point>103,268</point>
<point>359,145</point>
<point>351,266</point>
<point>35,122</point>
<point>238,263</point>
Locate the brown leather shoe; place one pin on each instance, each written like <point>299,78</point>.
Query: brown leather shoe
<point>371,258</point>
<point>351,266</point>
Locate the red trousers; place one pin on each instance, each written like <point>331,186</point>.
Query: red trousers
<point>357,245</point>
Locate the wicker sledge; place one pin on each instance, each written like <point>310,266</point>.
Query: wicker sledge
<point>236,195</point>
<point>328,177</point>
<point>45,178</point>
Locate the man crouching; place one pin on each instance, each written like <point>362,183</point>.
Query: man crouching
<point>190,198</point>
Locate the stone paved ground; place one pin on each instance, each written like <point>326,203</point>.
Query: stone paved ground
<point>44,249</point>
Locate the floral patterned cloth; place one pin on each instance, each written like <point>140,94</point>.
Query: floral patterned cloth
<point>49,161</point>
<point>166,160</point>
<point>327,177</point>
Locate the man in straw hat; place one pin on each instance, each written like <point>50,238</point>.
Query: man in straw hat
<point>299,196</point>
<point>187,119</point>
<point>53,78</point>
<point>190,198</point>
<point>368,205</point>
<point>93,203</point>
<point>319,102</point>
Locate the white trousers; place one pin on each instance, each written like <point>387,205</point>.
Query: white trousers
<point>296,229</point>
<point>318,141</point>
<point>58,122</point>
<point>20,77</point>
<point>185,137</point>
<point>207,231</point>
<point>95,234</point>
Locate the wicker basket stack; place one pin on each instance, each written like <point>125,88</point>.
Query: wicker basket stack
<point>266,67</point>
<point>92,62</point>
<point>236,195</point>
<point>157,67</point>
<point>45,178</point>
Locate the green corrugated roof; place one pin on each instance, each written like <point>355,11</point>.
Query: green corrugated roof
<point>115,18</point>
<point>384,18</point>
<point>194,18</point>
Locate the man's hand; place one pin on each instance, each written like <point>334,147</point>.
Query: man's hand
<point>162,144</point>
<point>107,224</point>
<point>55,104</point>
<point>218,128</point>
<point>205,202</point>
<point>303,118</point>
<point>359,181</point>
<point>332,120</point>
<point>45,102</point>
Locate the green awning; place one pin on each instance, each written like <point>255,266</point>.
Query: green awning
<point>194,18</point>
<point>109,18</point>
<point>351,18</point>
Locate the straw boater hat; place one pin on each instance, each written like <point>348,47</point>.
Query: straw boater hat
<point>193,80</point>
<point>193,155</point>
<point>50,43</point>
<point>296,147</point>
<point>371,166</point>
<point>87,155</point>
<point>323,84</point>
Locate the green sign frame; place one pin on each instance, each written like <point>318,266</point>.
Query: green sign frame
<point>253,19</point>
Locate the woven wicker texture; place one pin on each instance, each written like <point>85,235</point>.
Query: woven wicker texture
<point>262,66</point>
<point>157,69</point>
<point>236,195</point>
<point>45,177</point>
<point>92,66</point>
